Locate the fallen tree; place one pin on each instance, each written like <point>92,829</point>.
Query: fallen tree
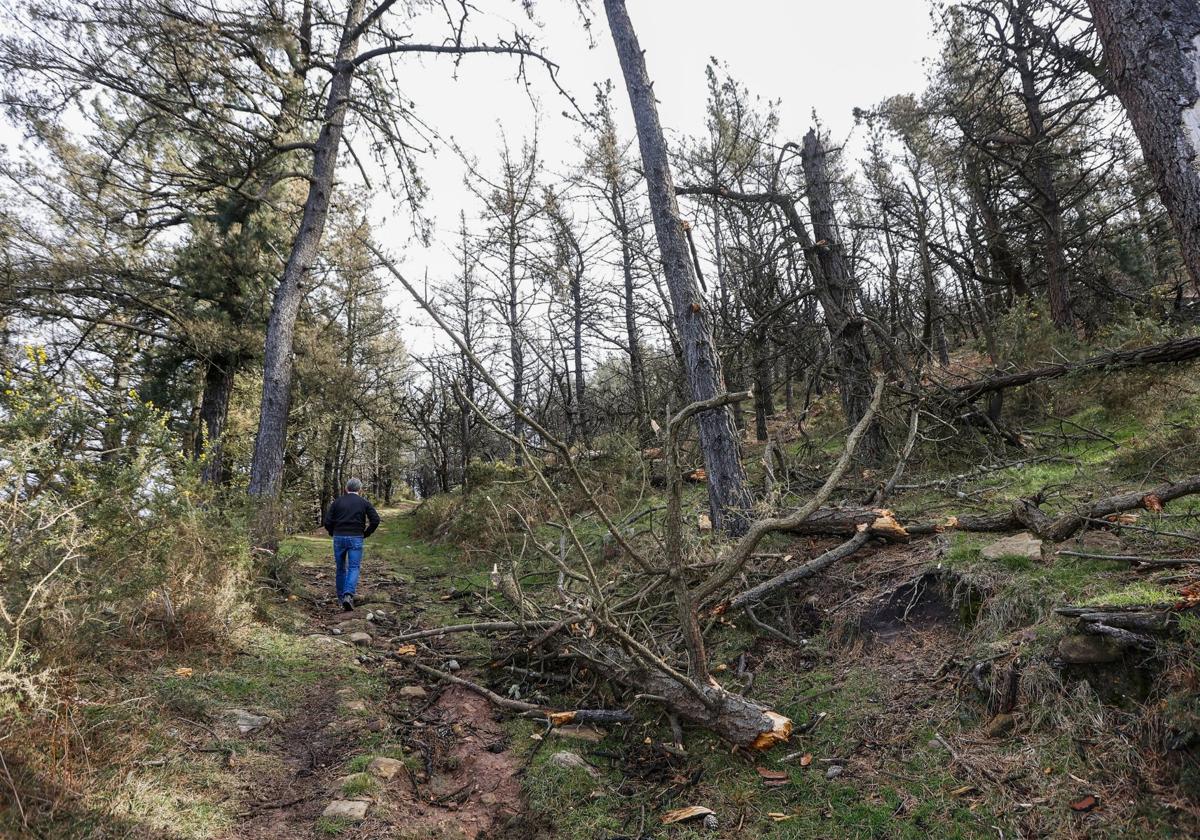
<point>597,630</point>
<point>1024,514</point>
<point>1176,350</point>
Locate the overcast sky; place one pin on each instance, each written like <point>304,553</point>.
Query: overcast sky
<point>830,57</point>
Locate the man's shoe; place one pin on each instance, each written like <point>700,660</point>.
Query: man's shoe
<point>347,602</point>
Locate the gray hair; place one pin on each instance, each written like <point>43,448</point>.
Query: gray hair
<point>354,485</point>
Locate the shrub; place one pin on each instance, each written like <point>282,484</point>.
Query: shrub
<point>103,529</point>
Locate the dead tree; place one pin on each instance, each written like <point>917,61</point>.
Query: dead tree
<point>837,290</point>
<point>1151,49</point>
<point>729,496</point>
<point>609,645</point>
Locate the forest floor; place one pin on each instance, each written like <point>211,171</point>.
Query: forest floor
<point>888,744</point>
<point>297,733</point>
<point>894,736</point>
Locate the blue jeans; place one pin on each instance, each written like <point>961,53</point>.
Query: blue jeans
<point>347,554</point>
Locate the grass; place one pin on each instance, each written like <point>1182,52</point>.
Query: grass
<point>915,801</point>
<point>332,826</point>
<point>1135,594</point>
<point>359,784</point>
<point>142,718</point>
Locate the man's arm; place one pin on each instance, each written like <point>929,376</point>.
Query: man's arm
<point>327,520</point>
<point>372,520</point>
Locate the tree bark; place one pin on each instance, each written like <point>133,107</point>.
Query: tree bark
<point>1152,48</point>
<point>637,372</point>
<point>577,351</point>
<point>838,294</point>
<point>214,410</point>
<point>266,467</point>
<point>729,497</point>
<point>764,403</point>
<point>1045,199</point>
<point>516,353</point>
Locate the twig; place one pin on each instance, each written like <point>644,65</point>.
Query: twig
<point>491,696</point>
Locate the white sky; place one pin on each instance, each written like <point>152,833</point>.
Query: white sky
<point>810,55</point>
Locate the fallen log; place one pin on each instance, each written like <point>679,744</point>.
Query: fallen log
<point>1136,560</point>
<point>1142,622</point>
<point>1025,514</point>
<point>1122,637</point>
<point>793,576</point>
<point>734,717</point>
<point>1064,526</point>
<point>1176,350</point>
<point>1073,611</point>
<point>875,522</point>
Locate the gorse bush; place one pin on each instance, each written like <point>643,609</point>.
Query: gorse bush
<point>103,531</point>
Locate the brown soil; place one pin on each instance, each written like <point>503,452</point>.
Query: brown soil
<point>464,781</point>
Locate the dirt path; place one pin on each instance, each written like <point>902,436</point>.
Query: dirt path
<point>432,761</point>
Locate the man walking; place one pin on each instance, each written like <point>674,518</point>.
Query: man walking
<point>349,520</point>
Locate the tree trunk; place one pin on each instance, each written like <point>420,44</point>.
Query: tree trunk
<point>838,293</point>
<point>637,372</point>
<point>729,498</point>
<point>764,404</point>
<point>1153,52</point>
<point>266,467</point>
<point>1169,352</point>
<point>934,329</point>
<point>214,410</point>
<point>1003,261</point>
<point>1045,198</point>
<point>516,353</point>
<point>577,348</point>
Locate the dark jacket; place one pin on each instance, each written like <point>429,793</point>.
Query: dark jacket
<point>350,515</point>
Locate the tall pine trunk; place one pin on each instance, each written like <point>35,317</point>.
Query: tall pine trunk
<point>266,467</point>
<point>219,374</point>
<point>1045,192</point>
<point>837,291</point>
<point>1153,53</point>
<point>729,497</point>
<point>637,372</point>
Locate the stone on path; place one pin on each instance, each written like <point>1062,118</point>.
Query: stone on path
<point>1102,542</point>
<point>834,771</point>
<point>346,809</point>
<point>361,639</point>
<point>323,639</point>
<point>247,721</point>
<point>1024,545</point>
<point>572,761</point>
<point>414,692</point>
<point>356,706</point>
<point>385,768</point>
